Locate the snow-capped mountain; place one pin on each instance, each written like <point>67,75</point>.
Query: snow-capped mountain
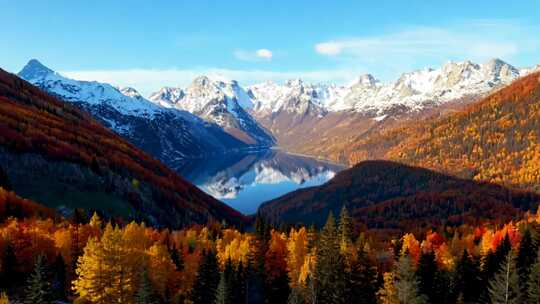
<point>169,134</point>
<point>319,119</point>
<point>220,102</point>
<point>366,95</point>
<point>294,96</point>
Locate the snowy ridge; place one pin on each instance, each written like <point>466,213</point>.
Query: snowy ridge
<point>367,95</point>
<point>127,101</point>
<point>167,133</point>
<point>218,101</point>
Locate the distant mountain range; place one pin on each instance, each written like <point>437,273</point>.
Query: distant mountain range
<point>57,155</point>
<point>316,119</point>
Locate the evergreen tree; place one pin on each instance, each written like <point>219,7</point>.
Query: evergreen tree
<point>38,290</point>
<point>491,264</point>
<point>345,227</point>
<point>59,278</point>
<point>363,281</point>
<point>229,276</point>
<point>533,282</point>
<point>426,272</point>
<point>240,287</point>
<point>525,259</point>
<point>222,291</point>
<point>504,286</point>
<point>330,267</point>
<point>469,284</point>
<point>295,297</point>
<point>9,275</point>
<point>406,282</point>
<point>145,293</point>
<point>207,279</point>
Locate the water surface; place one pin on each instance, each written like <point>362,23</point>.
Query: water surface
<point>244,181</point>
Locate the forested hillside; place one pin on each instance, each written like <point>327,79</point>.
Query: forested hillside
<point>389,195</point>
<point>496,140</point>
<point>57,155</point>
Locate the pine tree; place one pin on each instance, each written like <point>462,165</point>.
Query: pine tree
<point>525,258</point>
<point>59,278</point>
<point>406,282</point>
<point>427,270</point>
<point>9,276</point>
<point>222,291</point>
<point>230,282</point>
<point>533,282</point>
<point>363,281</point>
<point>145,293</point>
<point>240,284</point>
<point>469,283</point>
<point>504,286</point>
<point>345,228</point>
<point>38,290</point>
<point>330,267</point>
<point>207,279</point>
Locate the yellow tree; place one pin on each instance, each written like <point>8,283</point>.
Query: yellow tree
<point>161,267</point>
<point>297,249</point>
<point>92,281</point>
<point>388,293</point>
<point>105,275</point>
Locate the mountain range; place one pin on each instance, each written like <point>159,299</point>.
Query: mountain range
<point>212,116</point>
<point>55,154</point>
<point>170,135</point>
<point>315,119</point>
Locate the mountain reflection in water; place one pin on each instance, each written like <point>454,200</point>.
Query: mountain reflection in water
<point>244,181</point>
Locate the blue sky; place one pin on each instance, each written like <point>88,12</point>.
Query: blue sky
<point>148,44</point>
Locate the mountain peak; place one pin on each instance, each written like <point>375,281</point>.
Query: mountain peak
<point>34,70</point>
<point>366,80</point>
<point>130,92</point>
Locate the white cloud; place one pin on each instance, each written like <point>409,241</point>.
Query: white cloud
<point>253,56</point>
<point>417,47</point>
<point>264,53</point>
<point>331,48</point>
<point>148,81</point>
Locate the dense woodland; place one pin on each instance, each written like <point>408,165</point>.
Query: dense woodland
<point>88,260</point>
<point>495,140</point>
<point>391,196</point>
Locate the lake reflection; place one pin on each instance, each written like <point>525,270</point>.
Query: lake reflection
<point>244,181</point>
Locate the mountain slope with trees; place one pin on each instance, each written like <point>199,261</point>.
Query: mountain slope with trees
<point>496,140</point>
<point>389,195</point>
<point>55,154</point>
